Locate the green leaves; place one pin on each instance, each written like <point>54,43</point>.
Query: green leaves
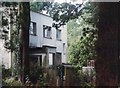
<point>4,21</point>
<point>82,36</point>
<point>61,13</point>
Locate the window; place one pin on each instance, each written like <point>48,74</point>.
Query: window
<point>40,60</point>
<point>58,34</point>
<point>64,48</point>
<point>58,59</point>
<point>50,59</point>
<point>33,28</point>
<point>46,31</point>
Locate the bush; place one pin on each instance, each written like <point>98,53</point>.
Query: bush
<point>6,73</point>
<point>11,83</point>
<point>88,79</point>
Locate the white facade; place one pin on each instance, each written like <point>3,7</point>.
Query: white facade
<point>38,41</point>
<point>4,55</point>
<point>56,40</point>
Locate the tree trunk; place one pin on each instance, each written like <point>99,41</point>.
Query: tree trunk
<point>24,12</point>
<point>107,45</point>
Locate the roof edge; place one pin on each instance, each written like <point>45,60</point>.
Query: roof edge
<point>40,13</point>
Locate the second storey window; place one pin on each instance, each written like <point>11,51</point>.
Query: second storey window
<point>58,34</point>
<point>33,28</point>
<point>46,31</point>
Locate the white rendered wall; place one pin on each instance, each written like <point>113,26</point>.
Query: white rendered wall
<point>39,40</point>
<point>4,55</point>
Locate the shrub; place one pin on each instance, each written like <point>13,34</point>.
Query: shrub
<point>11,83</point>
<point>5,72</point>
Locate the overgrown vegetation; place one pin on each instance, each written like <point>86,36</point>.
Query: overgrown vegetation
<point>82,32</point>
<point>82,35</point>
<point>10,33</point>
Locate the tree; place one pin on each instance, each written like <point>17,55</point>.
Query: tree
<point>9,32</point>
<point>61,13</point>
<point>82,36</point>
<point>40,6</point>
<point>22,28</point>
<point>24,13</point>
<point>107,45</point>
<point>107,61</point>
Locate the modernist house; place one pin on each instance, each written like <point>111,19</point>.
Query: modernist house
<point>47,44</point>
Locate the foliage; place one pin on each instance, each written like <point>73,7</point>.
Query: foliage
<point>82,32</point>
<point>37,74</point>
<point>40,6</point>
<point>88,76</point>
<point>83,47</point>
<point>5,72</point>
<point>82,35</point>
<point>9,18</point>
<point>10,32</point>
<point>9,81</point>
<point>61,13</point>
<point>12,83</point>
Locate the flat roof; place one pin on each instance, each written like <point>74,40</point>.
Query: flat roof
<point>40,13</point>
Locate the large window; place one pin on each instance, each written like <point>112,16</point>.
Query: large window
<point>58,34</point>
<point>47,31</point>
<point>33,28</point>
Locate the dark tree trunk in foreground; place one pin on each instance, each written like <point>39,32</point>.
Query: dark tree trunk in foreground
<point>24,11</point>
<point>107,45</point>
